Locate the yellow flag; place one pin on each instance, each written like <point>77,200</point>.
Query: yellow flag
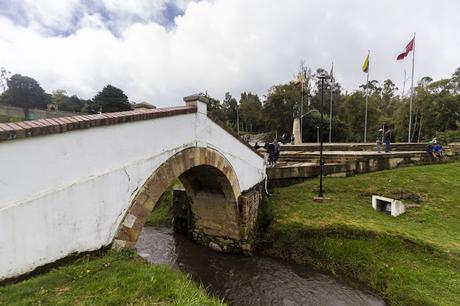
<point>366,64</point>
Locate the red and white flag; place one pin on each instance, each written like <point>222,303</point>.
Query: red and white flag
<point>409,48</point>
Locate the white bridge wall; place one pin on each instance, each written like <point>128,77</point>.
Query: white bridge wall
<point>67,193</point>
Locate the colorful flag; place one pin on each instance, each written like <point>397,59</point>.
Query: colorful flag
<point>409,48</point>
<point>300,79</point>
<point>297,83</point>
<point>366,64</point>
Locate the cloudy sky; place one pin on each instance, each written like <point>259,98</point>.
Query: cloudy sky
<point>161,50</point>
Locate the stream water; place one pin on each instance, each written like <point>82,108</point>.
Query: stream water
<point>241,280</point>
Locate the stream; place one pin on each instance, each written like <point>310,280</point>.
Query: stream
<point>242,280</point>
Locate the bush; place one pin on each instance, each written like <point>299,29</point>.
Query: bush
<point>448,136</point>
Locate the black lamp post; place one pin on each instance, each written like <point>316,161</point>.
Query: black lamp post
<point>322,77</point>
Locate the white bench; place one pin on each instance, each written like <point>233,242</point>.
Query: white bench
<point>390,206</point>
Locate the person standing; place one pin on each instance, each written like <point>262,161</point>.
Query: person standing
<point>284,138</point>
<point>387,140</point>
<point>277,149</point>
<point>271,150</point>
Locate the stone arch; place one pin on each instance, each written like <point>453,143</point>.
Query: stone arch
<point>188,164</point>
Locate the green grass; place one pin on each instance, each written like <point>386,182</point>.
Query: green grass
<point>413,259</point>
<point>112,278</point>
<point>6,118</point>
<point>161,213</point>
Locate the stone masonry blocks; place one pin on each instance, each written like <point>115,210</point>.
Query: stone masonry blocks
<point>148,195</point>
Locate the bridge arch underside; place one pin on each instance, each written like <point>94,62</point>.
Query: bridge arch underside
<point>222,218</point>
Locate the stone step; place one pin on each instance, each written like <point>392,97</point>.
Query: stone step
<point>309,147</point>
<point>296,165</point>
<point>343,156</point>
<point>288,170</point>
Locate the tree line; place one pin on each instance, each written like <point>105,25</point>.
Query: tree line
<point>436,109</point>
<point>436,106</point>
<point>26,93</point>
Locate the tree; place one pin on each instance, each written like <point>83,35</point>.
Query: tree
<point>439,86</point>
<point>280,107</point>
<point>351,113</point>
<point>4,76</point>
<point>455,81</point>
<point>425,81</point>
<point>229,109</point>
<point>215,108</point>
<point>75,104</point>
<point>25,92</point>
<point>251,112</point>
<point>388,91</point>
<point>373,88</point>
<point>328,82</point>
<point>66,103</point>
<point>58,98</point>
<point>110,99</point>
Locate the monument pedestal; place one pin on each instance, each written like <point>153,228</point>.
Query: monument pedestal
<point>296,131</point>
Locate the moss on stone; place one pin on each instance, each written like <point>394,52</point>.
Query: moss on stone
<point>161,214</point>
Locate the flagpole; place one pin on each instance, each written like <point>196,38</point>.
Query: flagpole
<point>367,96</point>
<point>330,108</point>
<point>411,92</point>
<point>301,112</point>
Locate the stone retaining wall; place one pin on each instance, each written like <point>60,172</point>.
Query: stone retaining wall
<point>296,172</point>
<point>184,222</point>
<point>12,111</point>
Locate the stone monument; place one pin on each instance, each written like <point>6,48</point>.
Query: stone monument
<point>296,131</point>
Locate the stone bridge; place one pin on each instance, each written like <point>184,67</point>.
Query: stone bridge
<point>79,183</point>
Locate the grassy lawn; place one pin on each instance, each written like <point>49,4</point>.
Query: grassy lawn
<point>413,259</point>
<point>111,278</point>
<point>107,278</point>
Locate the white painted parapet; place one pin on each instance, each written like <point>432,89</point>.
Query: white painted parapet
<point>68,191</point>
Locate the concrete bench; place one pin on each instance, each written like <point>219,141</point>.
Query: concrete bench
<point>390,206</point>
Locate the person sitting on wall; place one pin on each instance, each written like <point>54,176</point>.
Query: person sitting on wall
<point>256,146</point>
<point>434,148</point>
<point>430,146</point>
<point>437,151</point>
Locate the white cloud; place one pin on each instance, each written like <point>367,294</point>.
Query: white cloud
<point>232,46</point>
<point>45,15</point>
